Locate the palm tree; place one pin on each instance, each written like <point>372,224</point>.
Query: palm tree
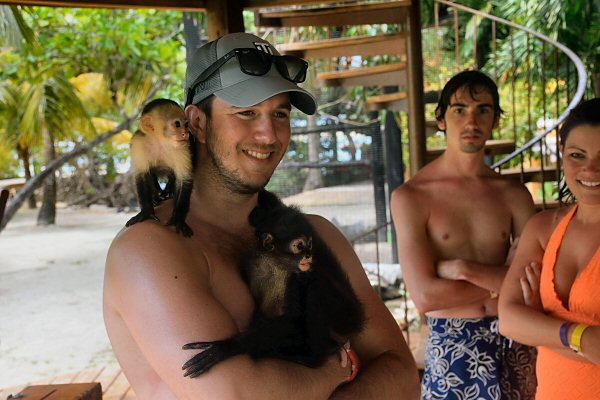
<point>11,109</point>
<point>51,111</point>
<point>13,29</point>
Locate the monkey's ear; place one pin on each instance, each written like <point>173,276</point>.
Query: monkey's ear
<point>147,123</point>
<point>267,241</point>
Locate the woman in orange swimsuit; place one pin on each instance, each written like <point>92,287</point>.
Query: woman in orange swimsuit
<point>550,297</point>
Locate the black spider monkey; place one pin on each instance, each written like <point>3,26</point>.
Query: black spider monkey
<point>304,312</point>
<point>162,148</point>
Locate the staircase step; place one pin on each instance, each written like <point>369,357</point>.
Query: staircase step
<point>532,174</point>
<point>493,147</point>
<point>348,46</point>
<point>393,12</point>
<point>379,75</point>
<point>397,101</point>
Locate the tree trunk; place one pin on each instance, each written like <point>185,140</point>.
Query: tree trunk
<point>15,203</point>
<point>24,156</point>
<point>47,213</point>
<point>596,83</point>
<point>314,179</point>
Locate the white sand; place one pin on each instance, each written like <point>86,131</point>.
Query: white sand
<point>51,294</point>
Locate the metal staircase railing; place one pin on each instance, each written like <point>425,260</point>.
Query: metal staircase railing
<point>539,74</point>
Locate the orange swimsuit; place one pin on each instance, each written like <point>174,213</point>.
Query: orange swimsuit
<point>560,377</point>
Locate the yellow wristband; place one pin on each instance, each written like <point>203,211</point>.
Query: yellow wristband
<point>576,337</point>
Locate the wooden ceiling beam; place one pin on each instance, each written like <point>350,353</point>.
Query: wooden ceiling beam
<point>182,5</point>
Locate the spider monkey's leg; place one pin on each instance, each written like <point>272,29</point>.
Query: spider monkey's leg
<point>182,194</point>
<point>144,184</point>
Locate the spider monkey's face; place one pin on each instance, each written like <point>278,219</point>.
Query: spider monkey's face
<point>298,249</point>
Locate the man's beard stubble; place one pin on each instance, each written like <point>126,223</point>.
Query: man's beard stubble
<point>230,179</point>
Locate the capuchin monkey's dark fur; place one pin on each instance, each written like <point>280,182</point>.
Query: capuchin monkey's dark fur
<point>161,148</point>
<point>306,308</point>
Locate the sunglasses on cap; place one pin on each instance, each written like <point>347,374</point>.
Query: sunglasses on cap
<point>255,62</point>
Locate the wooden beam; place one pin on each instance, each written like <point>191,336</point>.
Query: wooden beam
<point>223,17</point>
<point>182,5</point>
<point>379,75</point>
<point>348,46</point>
<point>493,147</point>
<point>394,12</point>
<point>389,101</point>
<point>282,3</point>
<point>416,104</point>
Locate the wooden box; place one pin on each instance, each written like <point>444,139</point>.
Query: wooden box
<point>71,391</point>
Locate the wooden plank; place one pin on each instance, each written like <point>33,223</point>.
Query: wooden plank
<point>349,46</point>
<point>74,391</point>
<point>393,12</point>
<point>531,174</point>
<point>108,376</point>
<point>183,5</point>
<point>118,389</point>
<point>4,393</point>
<point>396,101</point>
<point>493,147</point>
<point>67,378</point>
<point>379,75</point>
<point>88,375</point>
<point>284,3</point>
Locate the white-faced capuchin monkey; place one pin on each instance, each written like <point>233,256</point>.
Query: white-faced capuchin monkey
<point>306,308</point>
<point>161,149</point>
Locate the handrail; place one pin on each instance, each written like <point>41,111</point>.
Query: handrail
<point>581,74</point>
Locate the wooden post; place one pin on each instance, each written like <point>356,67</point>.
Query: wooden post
<point>223,17</point>
<point>416,105</point>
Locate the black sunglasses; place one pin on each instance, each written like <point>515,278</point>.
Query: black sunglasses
<point>255,62</point>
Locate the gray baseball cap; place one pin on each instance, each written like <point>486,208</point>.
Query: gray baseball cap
<point>237,88</point>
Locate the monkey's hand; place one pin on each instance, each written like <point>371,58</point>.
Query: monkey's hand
<point>212,353</point>
<point>141,216</point>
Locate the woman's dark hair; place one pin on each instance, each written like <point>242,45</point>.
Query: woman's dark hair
<point>586,113</point>
<point>474,81</point>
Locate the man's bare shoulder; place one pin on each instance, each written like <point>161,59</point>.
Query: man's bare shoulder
<point>150,250</point>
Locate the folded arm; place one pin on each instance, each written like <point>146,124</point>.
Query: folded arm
<point>520,314</point>
<point>387,368</point>
<point>429,291</point>
<point>166,299</point>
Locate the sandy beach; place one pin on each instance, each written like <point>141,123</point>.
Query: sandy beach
<point>51,294</point>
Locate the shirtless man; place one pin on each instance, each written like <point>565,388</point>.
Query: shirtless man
<point>455,220</point>
<point>163,290</point>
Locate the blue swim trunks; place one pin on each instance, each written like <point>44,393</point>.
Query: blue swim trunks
<point>463,360</point>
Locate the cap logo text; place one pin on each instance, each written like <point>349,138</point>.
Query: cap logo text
<point>264,47</point>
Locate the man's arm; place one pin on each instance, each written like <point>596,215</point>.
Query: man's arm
<point>428,290</point>
<point>387,368</point>
<point>165,299</point>
<point>491,276</point>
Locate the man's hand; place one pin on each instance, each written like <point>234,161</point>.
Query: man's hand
<point>530,286</point>
<point>450,269</point>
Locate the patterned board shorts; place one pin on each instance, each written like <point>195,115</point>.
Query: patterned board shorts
<point>467,359</point>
